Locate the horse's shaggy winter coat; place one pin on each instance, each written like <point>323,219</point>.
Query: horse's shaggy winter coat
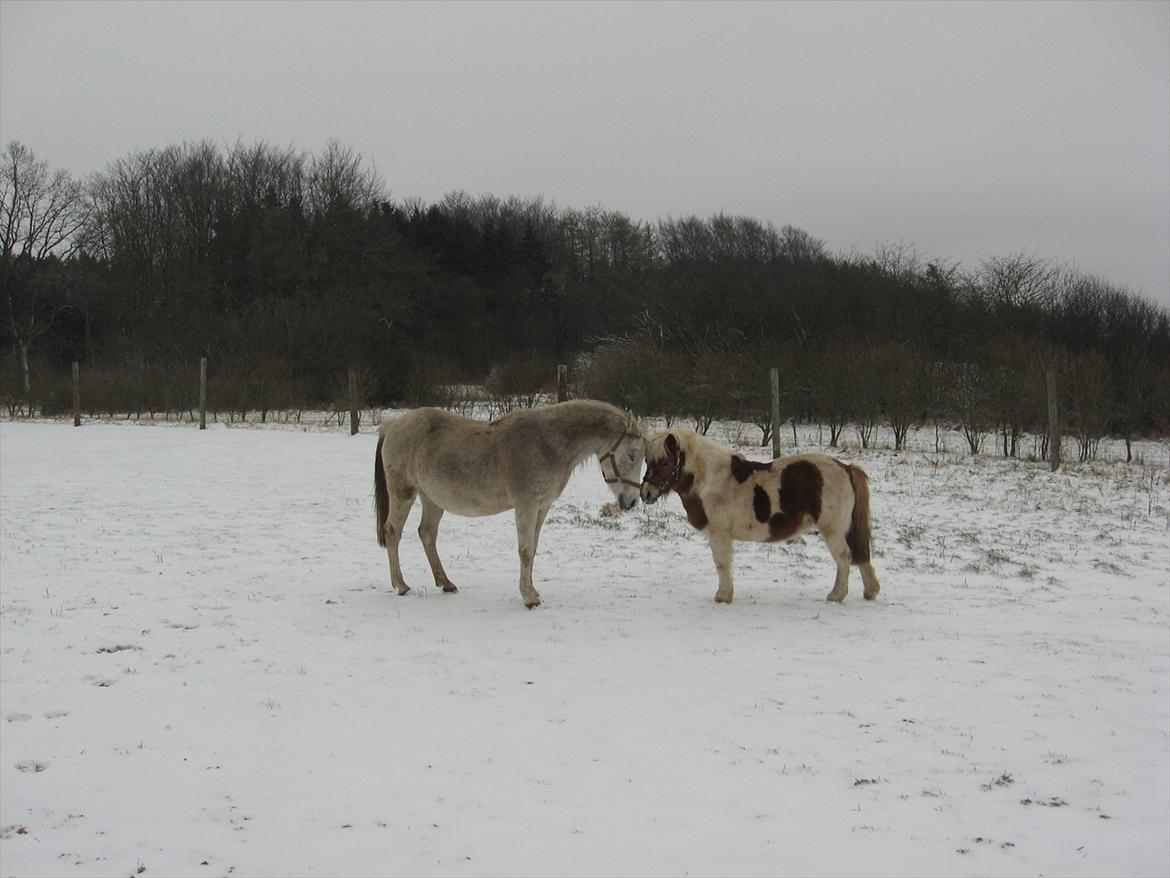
<point>730,498</point>
<point>521,461</point>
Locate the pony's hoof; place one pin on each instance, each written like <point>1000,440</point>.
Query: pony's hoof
<point>870,595</point>
<point>404,590</point>
<point>531,604</point>
<point>835,597</point>
<point>449,588</point>
<point>721,598</point>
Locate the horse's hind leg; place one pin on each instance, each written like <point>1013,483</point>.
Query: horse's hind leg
<point>843,557</point>
<point>871,581</point>
<point>401,499</point>
<point>428,530</point>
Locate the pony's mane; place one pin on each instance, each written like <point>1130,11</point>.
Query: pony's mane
<point>688,441</point>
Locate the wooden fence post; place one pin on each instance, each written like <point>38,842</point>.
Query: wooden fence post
<point>1053,424</point>
<point>353,409</point>
<point>562,382</point>
<point>203,393</point>
<point>774,375</point>
<point>76,395</point>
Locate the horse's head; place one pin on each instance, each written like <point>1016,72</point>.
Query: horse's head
<point>621,465</point>
<point>664,463</point>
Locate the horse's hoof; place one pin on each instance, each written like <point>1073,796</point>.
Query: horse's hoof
<point>869,596</point>
<point>449,588</point>
<point>404,590</point>
<point>723,599</point>
<point>835,598</point>
<point>535,602</point>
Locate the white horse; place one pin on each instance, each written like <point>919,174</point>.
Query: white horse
<point>521,461</point>
<point>729,498</point>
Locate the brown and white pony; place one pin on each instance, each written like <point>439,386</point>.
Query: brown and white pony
<point>730,498</point>
<point>520,462</point>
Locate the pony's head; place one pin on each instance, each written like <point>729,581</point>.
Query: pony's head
<point>664,463</point>
<point>621,465</point>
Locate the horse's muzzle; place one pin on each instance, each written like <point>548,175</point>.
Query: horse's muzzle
<point>627,503</point>
<point>650,494</point>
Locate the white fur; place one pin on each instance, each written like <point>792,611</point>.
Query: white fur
<point>521,461</point>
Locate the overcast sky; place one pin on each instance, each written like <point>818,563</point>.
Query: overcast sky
<point>964,130</point>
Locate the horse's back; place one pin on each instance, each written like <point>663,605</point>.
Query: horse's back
<point>779,499</point>
<point>451,459</point>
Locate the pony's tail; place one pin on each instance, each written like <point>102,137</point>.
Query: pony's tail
<point>381,495</point>
<point>858,537</point>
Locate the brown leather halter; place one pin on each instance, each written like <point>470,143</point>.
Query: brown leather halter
<point>609,455</point>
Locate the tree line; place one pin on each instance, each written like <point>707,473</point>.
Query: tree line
<point>288,268</point>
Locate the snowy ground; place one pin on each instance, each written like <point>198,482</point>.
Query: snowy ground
<point>203,672</point>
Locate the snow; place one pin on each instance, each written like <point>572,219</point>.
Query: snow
<point>203,671</point>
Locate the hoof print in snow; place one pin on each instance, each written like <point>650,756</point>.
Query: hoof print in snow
<point>31,766</point>
<point>12,830</point>
<point>55,714</point>
<point>118,648</point>
<point>102,683</point>
<point>18,717</point>
<point>1054,802</point>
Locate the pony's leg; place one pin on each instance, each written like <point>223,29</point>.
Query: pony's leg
<point>843,557</point>
<point>872,587</point>
<point>526,538</point>
<point>401,499</point>
<point>536,534</point>
<point>428,530</point>
<point>722,551</point>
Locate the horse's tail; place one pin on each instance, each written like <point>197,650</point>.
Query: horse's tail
<point>858,537</point>
<point>381,495</point>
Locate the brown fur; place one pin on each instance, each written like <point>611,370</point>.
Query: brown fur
<point>743,469</point>
<point>691,501</point>
<point>761,504</point>
<point>800,495</point>
<point>858,536</point>
<point>381,495</point>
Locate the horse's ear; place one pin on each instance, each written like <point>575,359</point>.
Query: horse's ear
<point>671,445</point>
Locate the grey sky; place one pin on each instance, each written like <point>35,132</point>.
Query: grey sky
<point>963,129</point>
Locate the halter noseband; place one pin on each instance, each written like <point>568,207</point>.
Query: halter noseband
<point>609,455</point>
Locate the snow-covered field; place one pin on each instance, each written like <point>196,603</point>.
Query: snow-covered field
<point>203,671</point>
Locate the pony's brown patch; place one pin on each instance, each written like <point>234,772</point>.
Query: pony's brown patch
<point>762,504</point>
<point>800,495</point>
<point>692,502</point>
<point>742,468</point>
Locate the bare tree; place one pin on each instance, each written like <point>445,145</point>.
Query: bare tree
<point>41,216</point>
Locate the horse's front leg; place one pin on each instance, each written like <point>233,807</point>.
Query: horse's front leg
<point>722,551</point>
<point>528,521</point>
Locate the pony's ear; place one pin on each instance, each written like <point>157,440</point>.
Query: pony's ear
<point>671,445</point>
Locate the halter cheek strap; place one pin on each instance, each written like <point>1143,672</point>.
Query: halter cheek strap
<point>609,455</point>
